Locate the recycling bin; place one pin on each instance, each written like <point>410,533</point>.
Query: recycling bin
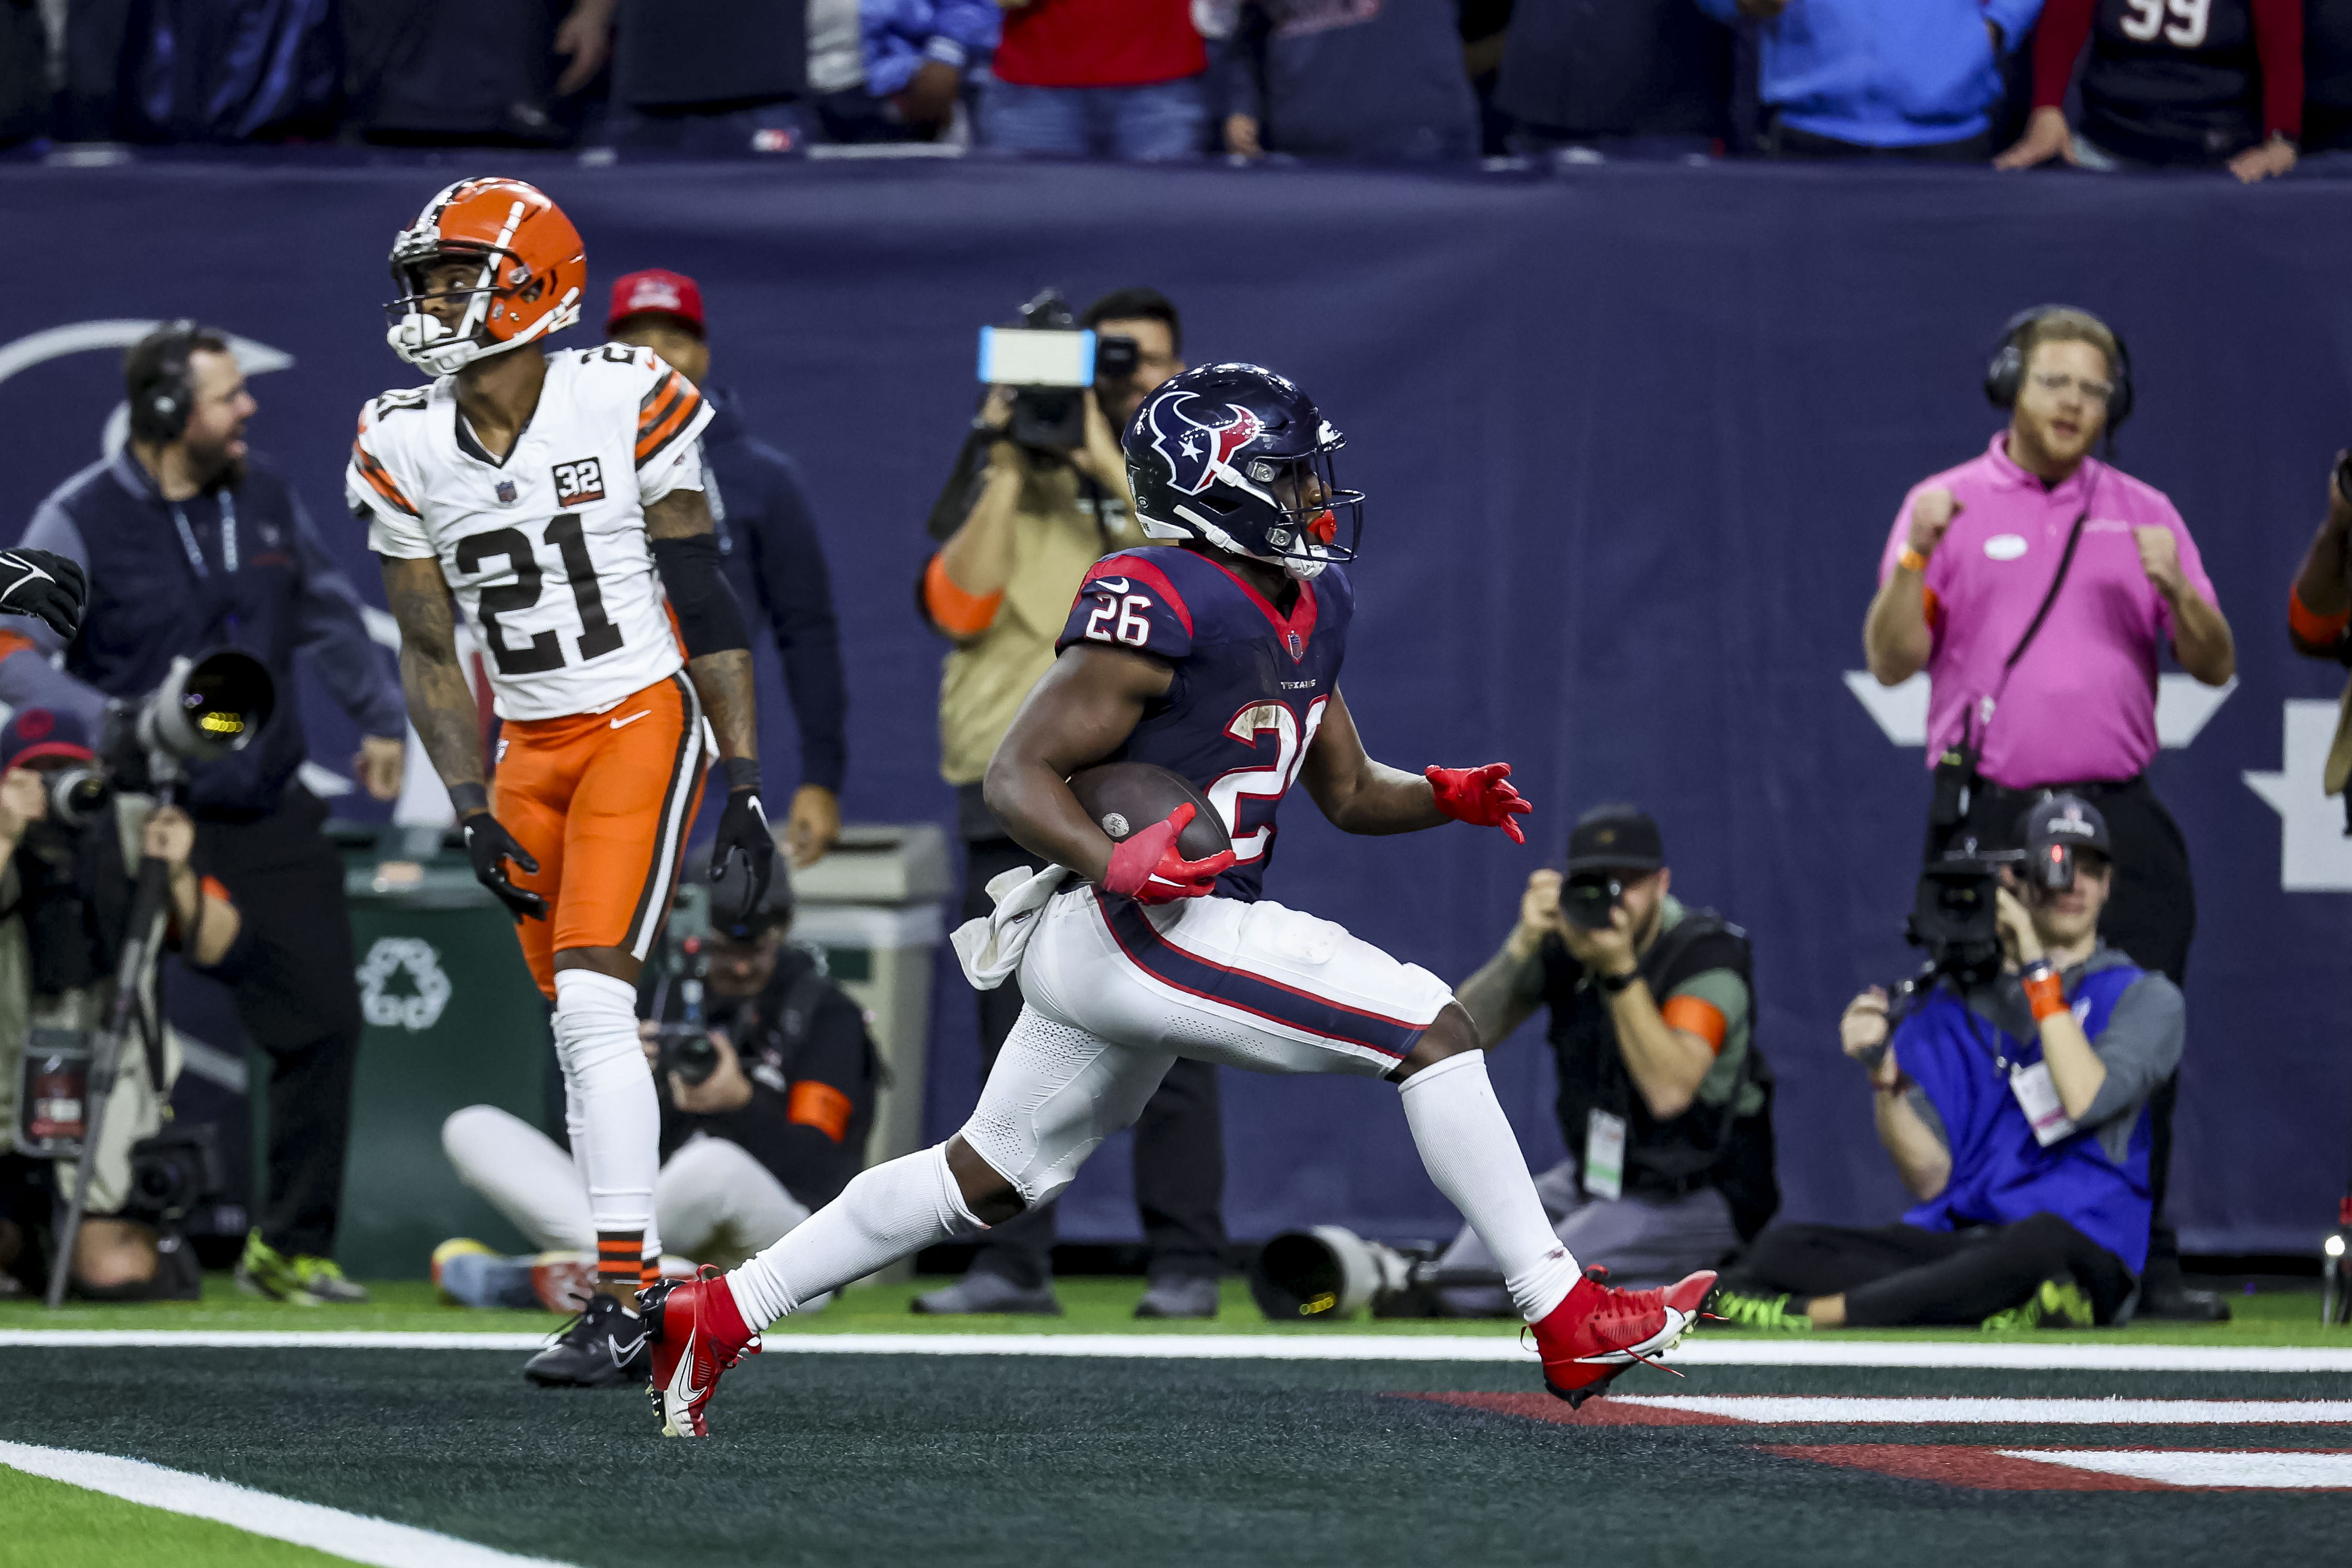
<point>452,1018</point>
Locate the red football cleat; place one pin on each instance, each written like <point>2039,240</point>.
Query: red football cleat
<point>690,1351</point>
<point>1598,1333</point>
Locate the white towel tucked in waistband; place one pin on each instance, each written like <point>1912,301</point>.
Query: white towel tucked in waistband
<point>990,948</point>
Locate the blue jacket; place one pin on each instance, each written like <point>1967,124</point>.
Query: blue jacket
<point>241,568</point>
<point>2095,1179</point>
<point>1326,80</point>
<point>1886,73</point>
<point>775,562</point>
<point>899,35</point>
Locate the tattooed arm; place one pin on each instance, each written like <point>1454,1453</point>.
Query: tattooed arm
<point>440,703</point>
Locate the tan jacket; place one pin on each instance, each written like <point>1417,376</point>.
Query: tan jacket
<point>1055,538</point>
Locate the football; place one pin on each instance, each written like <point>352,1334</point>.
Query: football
<point>1125,796</point>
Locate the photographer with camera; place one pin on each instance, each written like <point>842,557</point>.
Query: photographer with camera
<point>71,845</point>
<point>190,546</point>
<point>2038,587</point>
<point>1665,1100</point>
<point>2014,1097</point>
<point>767,1079</point>
<point>1038,495</point>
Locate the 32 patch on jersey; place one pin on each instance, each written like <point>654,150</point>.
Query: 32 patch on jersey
<point>578,483</point>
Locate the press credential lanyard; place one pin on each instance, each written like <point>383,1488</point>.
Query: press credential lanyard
<point>2037,1095</point>
<point>228,543</point>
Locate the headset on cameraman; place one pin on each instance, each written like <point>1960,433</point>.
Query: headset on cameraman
<point>163,397</point>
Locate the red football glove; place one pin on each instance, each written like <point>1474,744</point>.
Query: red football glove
<point>1148,867</point>
<point>1482,797</point>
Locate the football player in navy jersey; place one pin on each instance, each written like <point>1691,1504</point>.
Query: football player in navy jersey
<point>1217,657</point>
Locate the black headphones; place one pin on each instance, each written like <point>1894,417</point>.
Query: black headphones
<point>161,400</point>
<point>2008,367</point>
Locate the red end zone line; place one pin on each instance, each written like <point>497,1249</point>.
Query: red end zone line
<point>1957,1465</point>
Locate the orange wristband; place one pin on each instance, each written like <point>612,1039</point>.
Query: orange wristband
<point>1911,560</point>
<point>2316,630</point>
<point>2046,996</point>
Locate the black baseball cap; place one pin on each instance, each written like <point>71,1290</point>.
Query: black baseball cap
<point>1615,839</point>
<point>2067,820</point>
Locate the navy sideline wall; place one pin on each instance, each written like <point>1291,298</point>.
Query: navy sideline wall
<point>1632,441</point>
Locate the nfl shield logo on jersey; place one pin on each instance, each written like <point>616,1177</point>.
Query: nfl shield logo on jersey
<point>1295,643</point>
<point>506,492</point>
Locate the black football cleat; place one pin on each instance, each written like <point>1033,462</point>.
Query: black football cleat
<point>606,1346</point>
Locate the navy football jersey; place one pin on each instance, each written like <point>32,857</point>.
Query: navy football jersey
<point>1251,684</point>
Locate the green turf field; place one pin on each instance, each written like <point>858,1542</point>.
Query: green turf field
<point>1094,1305</point>
<point>977,1460</point>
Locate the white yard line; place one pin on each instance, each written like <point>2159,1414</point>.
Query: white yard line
<point>2189,1468</point>
<point>2055,1355</point>
<point>354,1536</point>
<point>1841,1411</point>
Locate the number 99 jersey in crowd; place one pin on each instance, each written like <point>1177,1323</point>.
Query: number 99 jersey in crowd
<point>547,551</point>
<point>1250,686</point>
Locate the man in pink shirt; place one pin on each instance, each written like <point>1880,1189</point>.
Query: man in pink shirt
<point>1969,563</point>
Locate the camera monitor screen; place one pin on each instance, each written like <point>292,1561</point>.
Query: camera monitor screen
<point>1013,357</point>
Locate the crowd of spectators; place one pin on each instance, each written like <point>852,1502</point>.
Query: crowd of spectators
<point>2251,86</point>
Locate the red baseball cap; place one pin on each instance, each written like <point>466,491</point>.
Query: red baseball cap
<point>32,734</point>
<point>670,293</point>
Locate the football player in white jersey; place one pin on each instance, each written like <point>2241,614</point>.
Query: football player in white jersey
<point>548,491</point>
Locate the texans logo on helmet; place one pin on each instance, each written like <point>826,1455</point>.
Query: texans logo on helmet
<point>1193,449</point>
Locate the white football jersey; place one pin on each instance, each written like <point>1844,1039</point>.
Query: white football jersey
<point>547,552</point>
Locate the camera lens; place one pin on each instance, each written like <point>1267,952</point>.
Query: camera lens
<point>694,1059</point>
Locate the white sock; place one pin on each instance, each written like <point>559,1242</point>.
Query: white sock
<point>610,1105</point>
<point>897,1207</point>
<point>1466,1142</point>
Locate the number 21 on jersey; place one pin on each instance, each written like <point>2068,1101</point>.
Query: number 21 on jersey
<point>598,635</point>
<point>1240,789</point>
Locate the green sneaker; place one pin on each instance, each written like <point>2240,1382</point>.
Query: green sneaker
<point>1769,1314</point>
<point>2054,1304</point>
<point>301,1282</point>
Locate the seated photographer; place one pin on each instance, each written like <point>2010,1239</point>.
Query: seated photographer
<point>2015,1108</point>
<point>73,849</point>
<point>1663,1097</point>
<point>765,1118</point>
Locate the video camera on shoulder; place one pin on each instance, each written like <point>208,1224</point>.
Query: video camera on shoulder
<point>1051,363</point>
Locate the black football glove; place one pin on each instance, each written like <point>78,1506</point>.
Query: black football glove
<point>50,586</point>
<point>489,846</point>
<point>743,831</point>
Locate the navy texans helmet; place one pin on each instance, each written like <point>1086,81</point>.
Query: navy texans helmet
<point>1238,456</point>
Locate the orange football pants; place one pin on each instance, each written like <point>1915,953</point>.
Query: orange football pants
<point>603,801</point>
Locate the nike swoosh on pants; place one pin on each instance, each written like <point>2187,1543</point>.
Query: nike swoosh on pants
<point>640,713</point>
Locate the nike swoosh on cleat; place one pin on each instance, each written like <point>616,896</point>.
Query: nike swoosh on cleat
<point>624,723</point>
<point>622,1354</point>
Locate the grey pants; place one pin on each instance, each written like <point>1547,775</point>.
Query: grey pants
<point>1642,1241</point>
